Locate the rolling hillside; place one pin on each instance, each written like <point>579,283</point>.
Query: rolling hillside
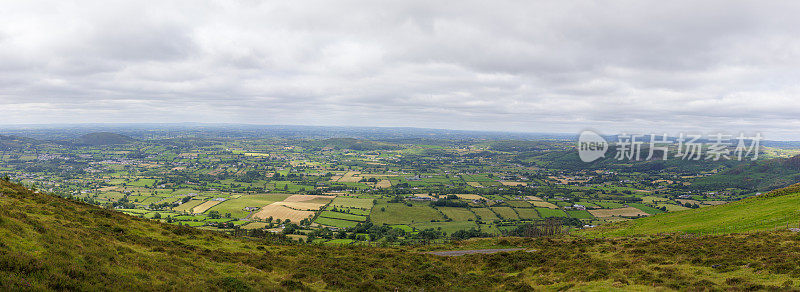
<point>104,138</point>
<point>50,243</point>
<point>779,209</point>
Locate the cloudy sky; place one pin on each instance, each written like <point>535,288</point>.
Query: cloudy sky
<point>530,66</point>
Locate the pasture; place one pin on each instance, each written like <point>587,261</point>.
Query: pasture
<point>356,203</point>
<point>625,211</point>
<point>204,206</point>
<point>506,213</point>
<point>457,214</point>
<point>236,206</point>
<point>547,212</point>
<point>400,213</point>
<point>279,211</point>
<point>485,214</point>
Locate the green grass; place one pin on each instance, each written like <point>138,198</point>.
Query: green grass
<point>506,212</point>
<point>405,228</point>
<point>646,209</point>
<point>519,204</point>
<point>448,227</point>
<point>458,214</point>
<point>400,213</point>
<point>527,213</point>
<point>342,216</point>
<point>340,241</point>
<point>187,207</point>
<point>486,214</point>
<point>347,202</point>
<point>335,222</point>
<point>580,214</point>
<point>763,212</point>
<point>547,212</point>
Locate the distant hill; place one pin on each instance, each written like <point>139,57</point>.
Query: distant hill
<point>104,138</point>
<point>352,144</point>
<point>762,175</point>
<point>15,142</point>
<point>776,209</point>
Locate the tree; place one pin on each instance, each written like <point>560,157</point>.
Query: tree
<point>214,214</point>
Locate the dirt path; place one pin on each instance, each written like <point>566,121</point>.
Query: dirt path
<point>452,253</point>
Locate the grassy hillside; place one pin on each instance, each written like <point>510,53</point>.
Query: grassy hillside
<point>49,243</point>
<point>777,209</point>
<point>762,175</point>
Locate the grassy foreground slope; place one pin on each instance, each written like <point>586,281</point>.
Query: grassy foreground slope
<point>778,209</point>
<point>49,243</point>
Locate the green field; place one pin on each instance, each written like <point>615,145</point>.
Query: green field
<point>342,216</point>
<point>346,202</point>
<point>580,214</point>
<point>448,227</point>
<point>400,213</point>
<point>506,212</point>
<point>547,212</point>
<point>519,204</point>
<point>646,209</point>
<point>236,206</point>
<point>609,205</point>
<point>527,213</point>
<point>187,207</point>
<point>458,214</point>
<point>335,222</point>
<point>486,214</point>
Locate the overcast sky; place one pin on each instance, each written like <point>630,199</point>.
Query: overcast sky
<point>531,66</point>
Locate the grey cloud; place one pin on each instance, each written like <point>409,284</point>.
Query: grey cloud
<point>499,65</point>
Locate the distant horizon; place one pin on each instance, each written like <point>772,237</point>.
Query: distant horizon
<point>155,124</point>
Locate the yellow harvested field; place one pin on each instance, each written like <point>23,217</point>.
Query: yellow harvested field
<point>350,176</point>
<point>469,196</point>
<point>627,211</point>
<point>423,196</point>
<point>384,183</point>
<point>474,184</point>
<point>300,205</point>
<point>513,183</point>
<point>533,198</point>
<point>301,198</point>
<point>543,204</point>
<point>255,225</point>
<point>278,211</point>
<point>204,206</point>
